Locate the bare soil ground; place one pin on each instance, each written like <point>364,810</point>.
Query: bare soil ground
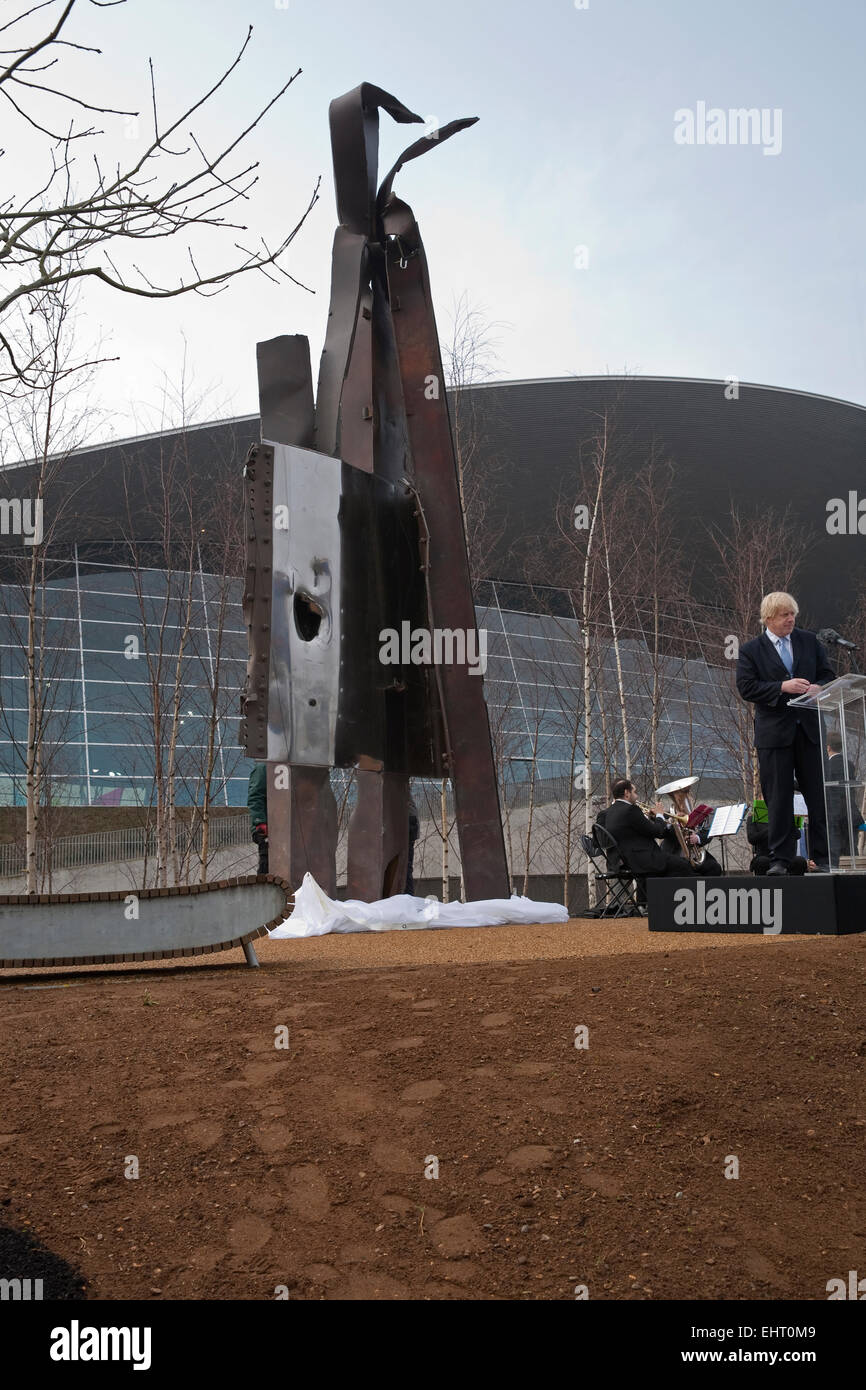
<point>558,1166</point>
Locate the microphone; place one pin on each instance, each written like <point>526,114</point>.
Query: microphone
<point>830,637</point>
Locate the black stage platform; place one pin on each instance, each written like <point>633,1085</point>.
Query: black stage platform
<point>813,904</point>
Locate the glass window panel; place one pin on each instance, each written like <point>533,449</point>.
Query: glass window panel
<point>118,791</point>
<point>114,637</point>
<point>113,666</point>
<point>57,664</point>
<point>102,607</point>
<point>64,761</point>
<point>237,791</point>
<point>123,761</point>
<point>218,586</point>
<point>62,726</point>
<point>229,646</point>
<point>125,581</point>
<point>115,696</point>
<point>153,613</point>
<point>99,580</point>
<point>13,726</point>
<point>489,618</point>
<point>119,728</point>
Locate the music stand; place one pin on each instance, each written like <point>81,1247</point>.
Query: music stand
<point>726,821</point>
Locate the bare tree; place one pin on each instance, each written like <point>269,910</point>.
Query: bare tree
<point>470,358</point>
<point>586,566</point>
<point>83,220</point>
<point>164,505</point>
<point>42,428</point>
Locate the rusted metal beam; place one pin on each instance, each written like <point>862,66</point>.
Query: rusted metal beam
<point>467,728</point>
<point>378,835</point>
<point>302,812</point>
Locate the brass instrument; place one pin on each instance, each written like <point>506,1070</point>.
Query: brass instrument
<point>693,853</point>
<point>678,791</point>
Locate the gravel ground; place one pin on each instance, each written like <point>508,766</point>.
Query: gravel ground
<point>360,1120</point>
<point>577,938</point>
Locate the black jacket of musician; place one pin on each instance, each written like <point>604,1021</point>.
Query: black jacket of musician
<point>760,673</point>
<point>636,836</point>
<point>837,770</point>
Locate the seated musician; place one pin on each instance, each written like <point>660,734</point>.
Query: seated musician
<point>840,803</point>
<point>636,836</point>
<point>699,822</point>
<point>758,835</point>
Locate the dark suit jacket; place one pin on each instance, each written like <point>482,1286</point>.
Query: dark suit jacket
<point>835,771</point>
<point>636,836</point>
<point>760,673</point>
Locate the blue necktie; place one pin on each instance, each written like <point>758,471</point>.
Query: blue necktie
<point>786,654</point>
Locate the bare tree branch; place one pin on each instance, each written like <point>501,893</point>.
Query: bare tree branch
<point>75,227</point>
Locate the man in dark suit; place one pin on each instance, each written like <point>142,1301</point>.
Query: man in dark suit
<point>840,802</point>
<point>772,669</point>
<point>636,836</point>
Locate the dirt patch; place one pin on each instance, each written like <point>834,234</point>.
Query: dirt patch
<point>433,1132</point>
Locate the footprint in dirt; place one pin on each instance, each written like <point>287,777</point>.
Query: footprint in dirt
<point>321,1043</point>
<point>154,1099</point>
<point>273,1137</point>
<point>423,1090</point>
<point>529,1156</point>
<point>394,1159</point>
<point>164,1119</point>
<point>602,1183</point>
<point>353,1100</point>
<point>261,1073</point>
<point>248,1234</point>
<point>203,1134</point>
<point>207,1257</point>
<point>306,1192</point>
<point>361,1286</point>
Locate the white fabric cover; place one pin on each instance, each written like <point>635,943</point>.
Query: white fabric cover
<point>315,914</point>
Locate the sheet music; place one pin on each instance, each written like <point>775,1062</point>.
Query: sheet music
<point>727,819</point>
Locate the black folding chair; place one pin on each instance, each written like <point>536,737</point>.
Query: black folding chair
<point>616,886</point>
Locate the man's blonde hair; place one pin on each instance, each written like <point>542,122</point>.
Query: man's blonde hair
<point>777,602</point>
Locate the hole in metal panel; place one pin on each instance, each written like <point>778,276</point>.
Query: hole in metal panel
<point>308,617</point>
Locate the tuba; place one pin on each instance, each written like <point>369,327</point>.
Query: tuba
<point>678,791</point>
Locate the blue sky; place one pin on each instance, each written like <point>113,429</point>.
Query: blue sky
<point>703,260</point>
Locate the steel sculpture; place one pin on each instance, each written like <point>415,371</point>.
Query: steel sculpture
<point>355,529</point>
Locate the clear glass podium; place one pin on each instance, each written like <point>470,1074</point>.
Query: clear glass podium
<point>841,710</point>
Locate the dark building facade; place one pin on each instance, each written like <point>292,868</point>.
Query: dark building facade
<point>110,583</point>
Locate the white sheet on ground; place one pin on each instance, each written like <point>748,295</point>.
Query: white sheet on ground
<point>315,914</point>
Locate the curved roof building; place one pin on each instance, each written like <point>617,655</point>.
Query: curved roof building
<point>754,447</point>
